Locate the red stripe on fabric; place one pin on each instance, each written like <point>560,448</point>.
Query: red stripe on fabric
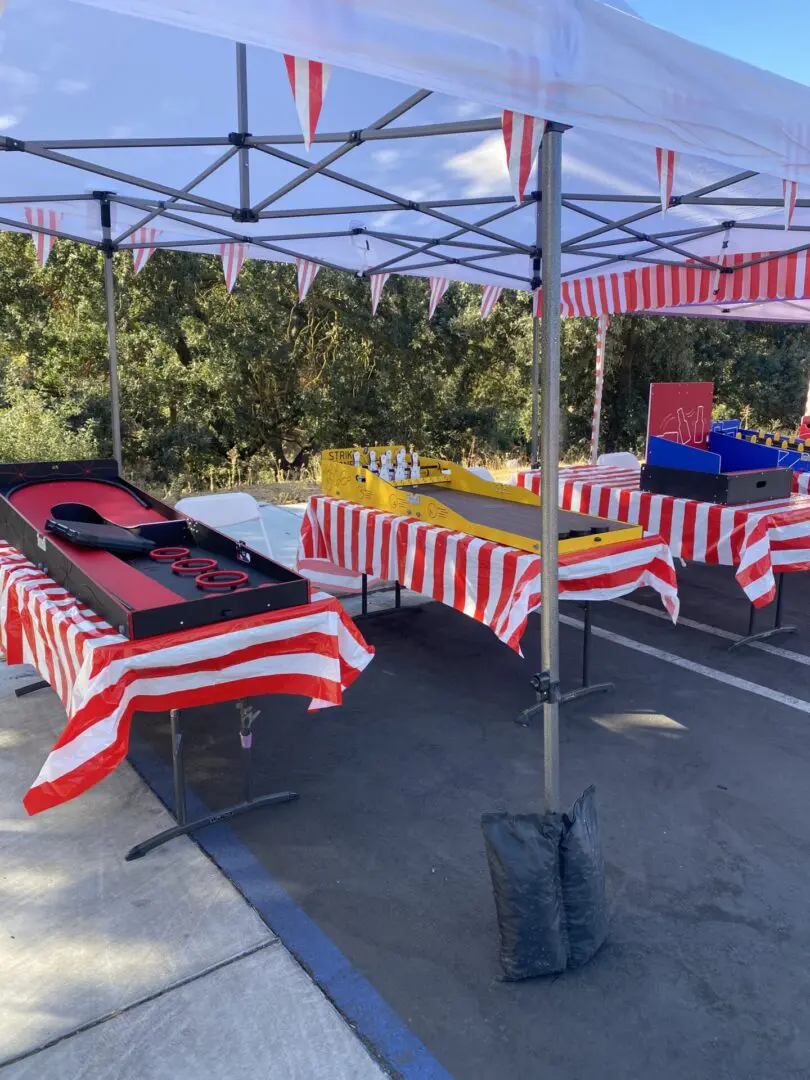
<point>340,527</point>
<point>484,583</point>
<point>510,563</point>
<point>713,535</point>
<point>506,124</point>
<point>44,796</point>
<point>315,95</point>
<point>460,582</point>
<point>526,153</point>
<point>420,547</point>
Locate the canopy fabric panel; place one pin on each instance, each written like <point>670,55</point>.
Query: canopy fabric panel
<point>579,62</point>
<point>407,179</point>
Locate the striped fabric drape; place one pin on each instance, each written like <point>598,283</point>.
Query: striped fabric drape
<point>647,288</point>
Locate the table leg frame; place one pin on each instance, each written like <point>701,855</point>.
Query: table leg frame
<point>587,689</point>
<point>777,628</point>
<point>183,827</point>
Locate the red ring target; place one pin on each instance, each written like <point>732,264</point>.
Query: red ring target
<point>193,567</point>
<point>221,579</point>
<point>169,554</point>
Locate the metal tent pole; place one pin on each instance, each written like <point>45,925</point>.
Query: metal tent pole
<point>550,456</point>
<point>242,122</point>
<point>536,263</point>
<point>535,378</point>
<point>112,341</point>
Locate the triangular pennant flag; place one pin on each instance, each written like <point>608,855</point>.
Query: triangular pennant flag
<point>790,191</point>
<point>377,285</point>
<point>142,255</point>
<point>521,137</point>
<point>233,255</point>
<point>43,219</point>
<point>306,275</point>
<point>665,161</point>
<point>308,80</point>
<point>490,299</point>
<point>438,287</point>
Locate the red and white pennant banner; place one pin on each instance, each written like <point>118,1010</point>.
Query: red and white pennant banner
<point>307,272</point>
<point>377,282</point>
<point>308,80</point>
<point>233,255</point>
<point>790,191</point>
<point>665,161</point>
<point>42,218</point>
<point>438,287</point>
<point>142,255</point>
<point>489,299</point>
<point>601,340</point>
<point>521,137</point>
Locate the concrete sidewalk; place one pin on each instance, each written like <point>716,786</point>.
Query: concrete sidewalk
<point>157,968</point>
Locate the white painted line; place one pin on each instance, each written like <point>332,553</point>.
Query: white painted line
<point>774,650</point>
<point>699,669</point>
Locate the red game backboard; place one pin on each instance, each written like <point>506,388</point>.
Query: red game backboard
<point>681,412</point>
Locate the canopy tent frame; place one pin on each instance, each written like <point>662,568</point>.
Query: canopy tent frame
<point>478,240</point>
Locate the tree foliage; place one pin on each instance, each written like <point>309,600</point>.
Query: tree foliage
<point>209,377</point>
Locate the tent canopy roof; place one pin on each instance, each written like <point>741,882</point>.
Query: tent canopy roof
<point>417,182</point>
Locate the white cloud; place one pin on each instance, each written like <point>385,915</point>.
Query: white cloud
<point>72,86</point>
<point>483,168</point>
<point>121,131</point>
<point>7,120</point>
<point>467,110</point>
<point>384,222</point>
<point>17,80</point>
<point>386,157</point>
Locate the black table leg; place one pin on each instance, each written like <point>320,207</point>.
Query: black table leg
<point>31,688</point>
<point>246,717</point>
<point>587,688</point>
<point>178,767</point>
<point>777,627</point>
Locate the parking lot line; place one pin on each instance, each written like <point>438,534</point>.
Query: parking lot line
<point>727,635</point>
<point>699,669</point>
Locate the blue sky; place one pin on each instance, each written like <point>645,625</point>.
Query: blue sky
<point>772,35</point>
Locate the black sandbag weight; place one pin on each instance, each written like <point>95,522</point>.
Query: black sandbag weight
<point>524,864</point>
<point>548,879</point>
<point>582,870</point>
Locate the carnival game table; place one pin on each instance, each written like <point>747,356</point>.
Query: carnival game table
<point>103,678</point>
<point>762,540</point>
<point>496,585</point>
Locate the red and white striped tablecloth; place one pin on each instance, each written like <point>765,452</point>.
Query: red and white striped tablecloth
<point>497,585</point>
<point>103,678</point>
<point>758,538</point>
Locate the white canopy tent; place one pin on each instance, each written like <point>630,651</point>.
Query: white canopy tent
<point>407,171</point>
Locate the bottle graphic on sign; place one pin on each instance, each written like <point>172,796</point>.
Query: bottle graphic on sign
<point>700,427</point>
